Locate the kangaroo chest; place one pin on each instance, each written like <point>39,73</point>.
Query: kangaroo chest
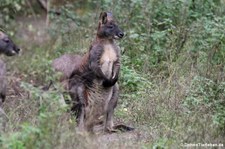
<point>98,96</point>
<point>109,56</point>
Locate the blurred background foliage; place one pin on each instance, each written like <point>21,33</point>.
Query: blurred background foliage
<point>172,79</point>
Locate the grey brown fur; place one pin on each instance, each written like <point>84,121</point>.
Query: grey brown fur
<point>93,83</point>
<point>99,72</point>
<point>2,82</point>
<point>8,48</point>
<point>66,64</point>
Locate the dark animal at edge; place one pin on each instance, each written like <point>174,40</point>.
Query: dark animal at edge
<point>8,48</point>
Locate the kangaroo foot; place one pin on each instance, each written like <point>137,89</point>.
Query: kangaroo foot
<point>111,130</point>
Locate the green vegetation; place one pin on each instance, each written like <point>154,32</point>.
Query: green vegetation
<point>172,79</point>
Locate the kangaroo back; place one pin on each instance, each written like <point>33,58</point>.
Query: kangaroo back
<point>66,64</point>
<point>8,48</point>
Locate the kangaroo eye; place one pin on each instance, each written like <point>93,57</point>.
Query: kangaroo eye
<point>6,40</point>
<point>111,26</point>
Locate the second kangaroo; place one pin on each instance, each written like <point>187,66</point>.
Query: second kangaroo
<point>8,48</point>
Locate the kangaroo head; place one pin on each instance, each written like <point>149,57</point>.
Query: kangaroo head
<point>108,28</point>
<point>7,46</point>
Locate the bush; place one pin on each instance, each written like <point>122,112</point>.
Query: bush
<point>207,96</point>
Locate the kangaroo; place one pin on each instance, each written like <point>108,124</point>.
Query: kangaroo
<point>8,48</point>
<point>93,86</point>
<point>92,79</point>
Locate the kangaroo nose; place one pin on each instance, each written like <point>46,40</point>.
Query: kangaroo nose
<point>16,49</point>
<point>121,34</point>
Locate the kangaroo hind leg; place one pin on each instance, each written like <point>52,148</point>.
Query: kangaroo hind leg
<point>108,124</point>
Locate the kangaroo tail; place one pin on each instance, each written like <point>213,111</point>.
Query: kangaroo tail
<point>123,128</point>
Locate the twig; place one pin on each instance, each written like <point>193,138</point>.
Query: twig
<point>32,10</point>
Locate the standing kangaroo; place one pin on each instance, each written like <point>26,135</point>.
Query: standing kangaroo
<point>8,48</point>
<point>93,82</point>
<point>97,94</point>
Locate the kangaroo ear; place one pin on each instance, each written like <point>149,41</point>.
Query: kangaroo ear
<point>103,17</point>
<point>1,34</point>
